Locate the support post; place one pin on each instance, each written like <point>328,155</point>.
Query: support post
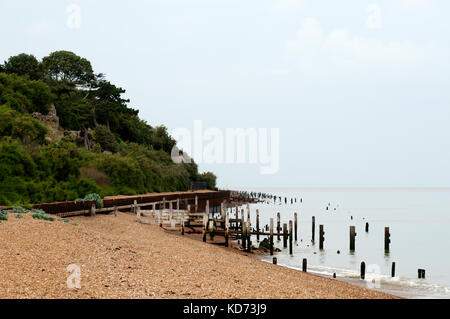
<point>352,238</point>
<point>271,237</point>
<point>363,270</point>
<point>93,210</point>
<point>305,265</point>
<point>138,214</point>
<point>295,226</point>
<point>278,226</point>
<point>322,237</point>
<point>285,235</point>
<point>196,204</point>
<point>393,270</point>
<point>367,227</point>
<point>257,225</point>
<point>116,211</point>
<point>290,238</point>
<point>387,239</point>
<point>313,229</point>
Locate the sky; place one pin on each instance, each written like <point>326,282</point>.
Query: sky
<point>359,90</point>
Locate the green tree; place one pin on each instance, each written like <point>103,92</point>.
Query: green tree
<point>24,65</point>
<point>69,67</point>
<point>106,139</point>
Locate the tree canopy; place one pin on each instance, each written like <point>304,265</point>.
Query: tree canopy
<point>115,152</point>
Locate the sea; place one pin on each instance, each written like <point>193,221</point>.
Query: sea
<point>419,222</point>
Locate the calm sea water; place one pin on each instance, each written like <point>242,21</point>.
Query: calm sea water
<point>419,222</point>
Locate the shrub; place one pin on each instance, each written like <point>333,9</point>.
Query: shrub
<point>106,139</point>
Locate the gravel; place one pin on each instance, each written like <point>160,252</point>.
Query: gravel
<point>120,258</point>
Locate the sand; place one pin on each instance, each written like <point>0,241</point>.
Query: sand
<point>120,258</point>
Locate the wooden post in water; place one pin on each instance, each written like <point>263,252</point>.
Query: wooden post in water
<point>387,239</point>
<point>393,270</point>
<point>313,229</point>
<point>367,227</point>
<point>421,273</point>
<point>249,237</point>
<point>321,237</point>
<point>278,225</point>
<point>285,235</point>
<point>271,237</point>
<point>305,265</point>
<point>352,238</point>
<point>363,270</point>
<point>296,226</point>
<point>290,238</point>
<point>243,230</point>
<point>257,225</point>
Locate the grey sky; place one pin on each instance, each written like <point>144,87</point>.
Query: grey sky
<point>359,89</point>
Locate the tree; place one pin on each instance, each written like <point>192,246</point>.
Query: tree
<point>106,139</point>
<point>108,102</point>
<point>69,67</point>
<point>24,64</point>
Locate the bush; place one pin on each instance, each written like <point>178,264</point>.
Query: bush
<point>42,216</point>
<point>106,139</point>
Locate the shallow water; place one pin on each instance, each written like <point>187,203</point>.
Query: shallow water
<point>419,222</point>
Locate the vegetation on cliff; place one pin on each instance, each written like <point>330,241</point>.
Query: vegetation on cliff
<point>101,145</point>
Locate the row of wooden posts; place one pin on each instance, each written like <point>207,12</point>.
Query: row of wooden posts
<point>240,229</point>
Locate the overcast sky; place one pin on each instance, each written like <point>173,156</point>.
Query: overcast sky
<point>359,89</point>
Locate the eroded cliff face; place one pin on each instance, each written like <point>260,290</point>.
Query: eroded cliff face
<point>50,120</point>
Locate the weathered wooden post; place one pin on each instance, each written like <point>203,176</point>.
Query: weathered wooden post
<point>196,204</point>
<point>278,225</point>
<point>387,239</point>
<point>138,214</point>
<point>182,223</point>
<point>352,238</point>
<point>274,260</point>
<point>244,235</point>
<point>227,228</point>
<point>290,238</point>
<point>313,229</point>
<point>363,270</point>
<point>134,206</point>
<point>393,270</point>
<point>367,227</point>
<point>164,203</point>
<point>248,236</point>
<point>178,204</point>
<point>205,224</point>
<point>257,225</point>
<point>116,211</point>
<point>271,237</point>
<point>295,226</point>
<point>285,235</point>
<point>305,265</point>
<point>93,210</point>
<point>421,273</point>
<point>321,237</point>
